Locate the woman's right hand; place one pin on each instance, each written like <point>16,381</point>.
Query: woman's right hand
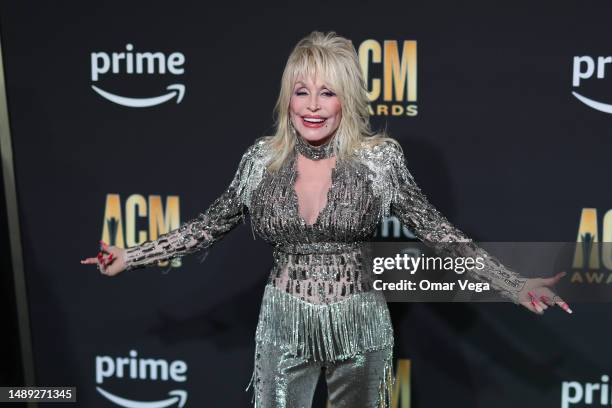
<point>110,260</point>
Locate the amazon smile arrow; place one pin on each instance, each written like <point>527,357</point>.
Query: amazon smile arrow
<point>177,90</point>
<point>179,396</point>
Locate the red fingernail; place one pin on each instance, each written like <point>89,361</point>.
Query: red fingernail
<point>110,257</point>
<point>535,306</point>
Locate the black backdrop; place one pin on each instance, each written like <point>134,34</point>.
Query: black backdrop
<point>499,143</point>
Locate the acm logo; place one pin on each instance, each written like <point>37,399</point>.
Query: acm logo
<point>592,263</point>
<point>390,72</point>
<point>120,224</point>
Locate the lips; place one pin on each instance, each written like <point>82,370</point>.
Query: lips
<point>313,121</point>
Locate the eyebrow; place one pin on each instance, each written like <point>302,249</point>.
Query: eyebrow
<point>303,84</point>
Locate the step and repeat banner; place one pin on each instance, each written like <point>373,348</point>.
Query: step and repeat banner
<point>128,119</point>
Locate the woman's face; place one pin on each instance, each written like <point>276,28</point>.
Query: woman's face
<point>315,110</point>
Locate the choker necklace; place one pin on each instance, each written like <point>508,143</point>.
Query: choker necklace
<point>314,152</point>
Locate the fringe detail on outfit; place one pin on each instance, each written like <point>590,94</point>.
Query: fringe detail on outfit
<point>251,170</point>
<point>324,332</point>
<point>383,181</point>
<point>387,382</point>
<point>327,332</point>
<point>255,381</point>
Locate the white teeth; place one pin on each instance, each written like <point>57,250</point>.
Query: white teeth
<point>313,120</point>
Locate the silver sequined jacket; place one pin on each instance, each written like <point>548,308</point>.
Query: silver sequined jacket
<point>319,299</point>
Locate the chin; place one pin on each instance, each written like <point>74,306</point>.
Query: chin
<point>316,138</point>
<point>312,135</point>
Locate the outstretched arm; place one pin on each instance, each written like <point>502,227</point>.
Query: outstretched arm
<point>201,232</point>
<point>413,209</point>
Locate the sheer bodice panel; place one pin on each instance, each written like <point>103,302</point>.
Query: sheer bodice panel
<point>321,276</point>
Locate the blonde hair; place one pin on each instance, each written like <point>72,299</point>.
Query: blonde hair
<point>334,59</point>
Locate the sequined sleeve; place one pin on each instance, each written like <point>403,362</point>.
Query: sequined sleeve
<point>413,209</point>
<point>201,232</point>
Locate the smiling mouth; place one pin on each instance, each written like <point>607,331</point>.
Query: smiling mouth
<point>313,122</point>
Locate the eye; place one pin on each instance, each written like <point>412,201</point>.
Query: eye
<point>300,93</point>
<point>329,93</point>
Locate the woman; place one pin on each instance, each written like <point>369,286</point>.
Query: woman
<point>316,190</point>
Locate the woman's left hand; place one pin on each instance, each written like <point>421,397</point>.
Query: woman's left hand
<point>536,295</point>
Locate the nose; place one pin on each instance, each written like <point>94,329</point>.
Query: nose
<point>314,103</point>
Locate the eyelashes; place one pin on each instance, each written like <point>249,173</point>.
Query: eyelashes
<point>326,93</point>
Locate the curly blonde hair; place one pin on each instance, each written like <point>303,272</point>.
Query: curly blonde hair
<point>334,59</point>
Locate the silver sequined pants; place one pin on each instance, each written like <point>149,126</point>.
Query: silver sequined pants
<point>285,380</point>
